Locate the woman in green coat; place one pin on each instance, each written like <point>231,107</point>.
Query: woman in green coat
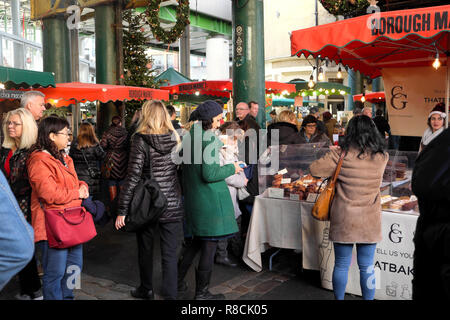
<point>207,201</point>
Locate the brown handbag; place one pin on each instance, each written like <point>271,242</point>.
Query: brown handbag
<point>321,209</point>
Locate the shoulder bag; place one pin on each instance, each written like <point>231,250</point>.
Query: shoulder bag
<point>322,206</point>
<point>147,204</point>
<point>94,173</point>
<point>107,166</point>
<point>68,227</point>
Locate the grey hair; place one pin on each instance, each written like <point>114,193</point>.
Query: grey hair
<point>27,96</point>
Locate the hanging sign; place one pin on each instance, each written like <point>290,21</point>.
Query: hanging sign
<point>411,94</point>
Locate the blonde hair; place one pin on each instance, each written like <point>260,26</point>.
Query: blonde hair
<point>287,116</point>
<point>29,130</point>
<point>86,136</point>
<point>155,119</point>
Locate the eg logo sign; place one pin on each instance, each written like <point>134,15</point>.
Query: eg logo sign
<point>395,234</point>
<point>398,101</point>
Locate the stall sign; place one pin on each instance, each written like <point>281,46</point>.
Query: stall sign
<point>411,93</point>
<point>11,94</point>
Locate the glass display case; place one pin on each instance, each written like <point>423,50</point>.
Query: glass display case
<point>284,174</point>
<point>396,193</point>
<point>284,171</point>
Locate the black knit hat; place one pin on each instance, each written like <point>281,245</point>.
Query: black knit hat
<point>206,111</point>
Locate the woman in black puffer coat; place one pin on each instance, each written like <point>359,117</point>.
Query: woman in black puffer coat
<point>150,155</point>
<point>87,144</point>
<point>115,143</point>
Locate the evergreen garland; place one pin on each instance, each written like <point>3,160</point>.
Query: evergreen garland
<point>172,35</point>
<point>346,8</point>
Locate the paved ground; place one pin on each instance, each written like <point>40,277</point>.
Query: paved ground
<point>110,271</point>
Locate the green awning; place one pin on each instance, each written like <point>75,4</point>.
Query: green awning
<point>172,77</point>
<point>19,78</point>
<point>194,99</point>
<point>320,88</point>
<point>279,102</point>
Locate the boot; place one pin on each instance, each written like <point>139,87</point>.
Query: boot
<point>183,268</point>
<point>112,193</point>
<point>201,290</point>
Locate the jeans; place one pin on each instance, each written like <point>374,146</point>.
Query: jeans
<point>168,232</point>
<point>16,235</point>
<point>62,271</point>
<point>343,258</point>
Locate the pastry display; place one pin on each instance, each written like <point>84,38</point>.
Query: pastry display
<point>394,172</point>
<point>404,203</point>
<point>302,187</point>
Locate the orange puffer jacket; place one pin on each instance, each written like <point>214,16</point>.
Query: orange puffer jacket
<point>54,186</point>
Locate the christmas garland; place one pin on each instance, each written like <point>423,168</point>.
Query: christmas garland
<point>345,7</point>
<point>173,34</point>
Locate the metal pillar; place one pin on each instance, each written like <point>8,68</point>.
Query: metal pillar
<point>248,55</point>
<point>19,60</point>
<point>355,82</point>
<point>56,48</point>
<point>75,64</point>
<point>106,60</point>
<point>185,52</point>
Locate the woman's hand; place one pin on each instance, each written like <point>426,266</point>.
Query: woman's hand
<point>237,168</point>
<point>83,192</point>
<point>245,181</point>
<point>337,148</point>
<point>120,222</point>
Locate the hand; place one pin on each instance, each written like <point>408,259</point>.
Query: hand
<point>237,168</point>
<point>337,148</point>
<point>83,192</point>
<point>120,222</point>
<point>245,181</point>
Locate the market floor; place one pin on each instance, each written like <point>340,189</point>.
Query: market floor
<point>110,271</point>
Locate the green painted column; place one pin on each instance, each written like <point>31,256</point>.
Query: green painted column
<point>56,48</point>
<point>355,82</point>
<point>105,60</point>
<point>248,55</point>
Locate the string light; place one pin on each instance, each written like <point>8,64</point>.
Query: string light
<point>339,73</point>
<point>311,83</point>
<point>363,98</point>
<point>436,63</point>
<point>321,76</point>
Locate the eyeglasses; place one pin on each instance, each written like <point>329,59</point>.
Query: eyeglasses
<point>311,125</point>
<point>63,133</point>
<point>13,123</point>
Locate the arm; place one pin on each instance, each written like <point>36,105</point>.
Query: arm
<point>135,166</point>
<point>325,166</point>
<point>43,182</point>
<point>212,171</point>
<point>236,180</point>
<point>104,141</point>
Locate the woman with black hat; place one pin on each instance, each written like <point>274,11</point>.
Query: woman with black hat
<point>208,205</point>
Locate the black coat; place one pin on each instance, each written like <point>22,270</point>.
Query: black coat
<point>153,150</point>
<point>18,178</point>
<point>94,155</point>
<point>115,143</point>
<point>287,133</point>
<point>431,185</point>
<point>382,125</point>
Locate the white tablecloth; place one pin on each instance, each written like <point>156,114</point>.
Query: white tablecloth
<point>288,224</point>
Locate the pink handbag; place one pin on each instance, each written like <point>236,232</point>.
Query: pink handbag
<point>68,227</point>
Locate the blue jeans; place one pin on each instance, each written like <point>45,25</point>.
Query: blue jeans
<point>62,271</point>
<point>343,258</point>
<point>16,235</point>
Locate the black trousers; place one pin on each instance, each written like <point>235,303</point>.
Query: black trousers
<point>169,233</point>
<point>29,278</point>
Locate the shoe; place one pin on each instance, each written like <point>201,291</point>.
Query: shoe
<point>34,296</point>
<point>226,262</point>
<point>201,290</point>
<point>182,287</point>
<point>142,294</point>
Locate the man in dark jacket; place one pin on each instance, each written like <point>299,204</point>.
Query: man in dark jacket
<point>381,123</point>
<point>431,185</point>
<point>173,116</point>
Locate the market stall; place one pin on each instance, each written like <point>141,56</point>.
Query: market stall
<point>402,46</point>
<point>281,218</point>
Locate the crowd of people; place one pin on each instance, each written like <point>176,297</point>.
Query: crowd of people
<point>208,198</point>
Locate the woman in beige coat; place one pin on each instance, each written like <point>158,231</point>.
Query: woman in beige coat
<point>356,208</point>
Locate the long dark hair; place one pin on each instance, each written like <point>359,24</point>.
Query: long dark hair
<point>363,135</point>
<point>51,124</point>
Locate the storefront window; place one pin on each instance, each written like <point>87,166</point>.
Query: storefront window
<point>33,59</point>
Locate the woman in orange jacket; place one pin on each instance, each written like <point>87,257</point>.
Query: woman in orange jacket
<point>55,185</point>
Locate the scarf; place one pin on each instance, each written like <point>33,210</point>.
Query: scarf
<point>428,135</point>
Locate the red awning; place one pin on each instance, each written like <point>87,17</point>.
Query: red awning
<point>372,97</point>
<point>404,38</point>
<point>222,88</point>
<point>70,93</point>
